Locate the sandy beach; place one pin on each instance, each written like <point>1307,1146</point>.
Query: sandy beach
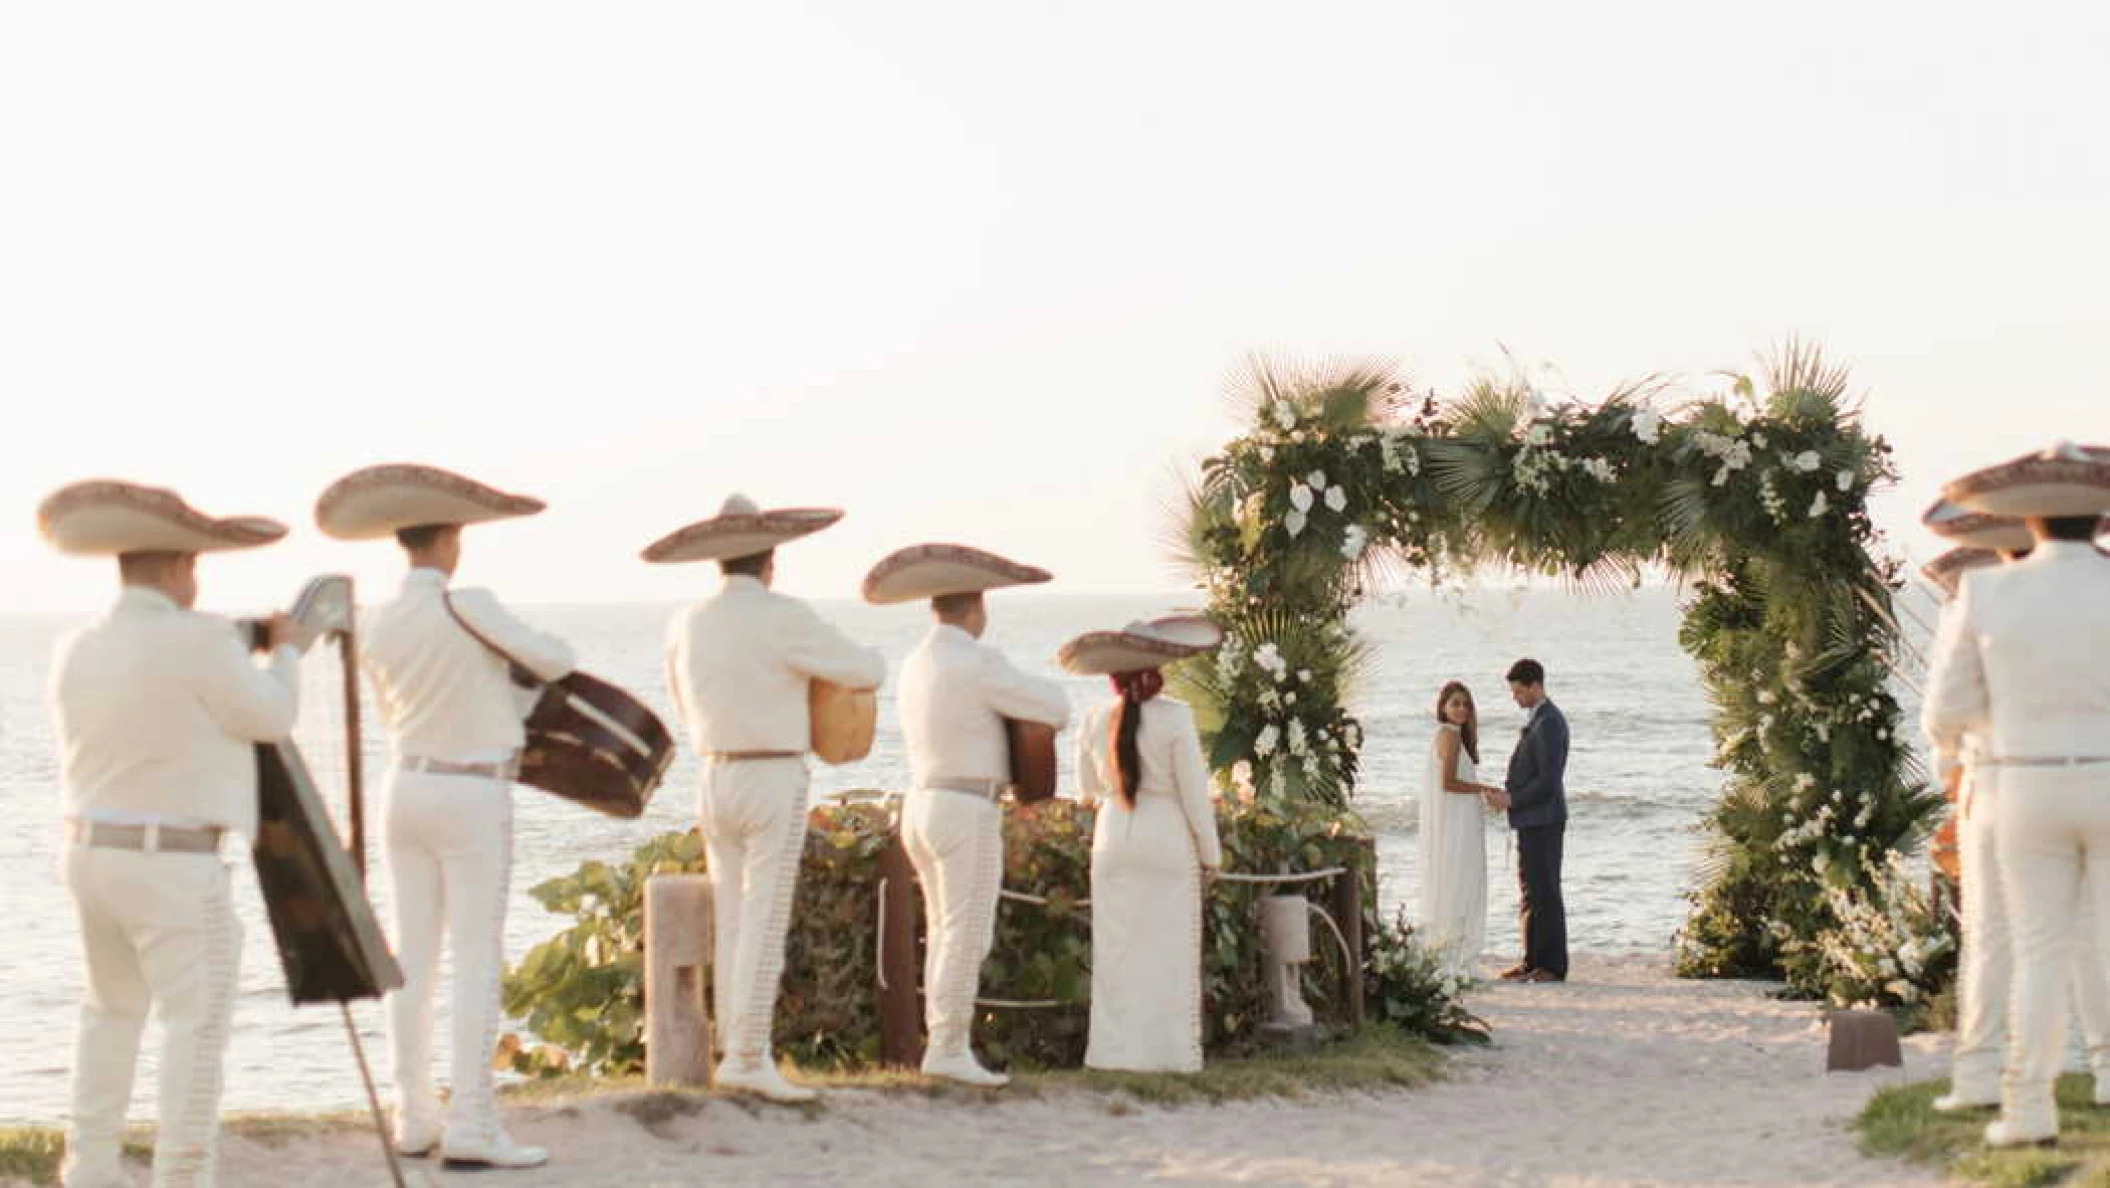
<point>1623,1076</point>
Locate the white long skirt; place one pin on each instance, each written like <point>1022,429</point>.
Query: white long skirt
<point>1146,940</point>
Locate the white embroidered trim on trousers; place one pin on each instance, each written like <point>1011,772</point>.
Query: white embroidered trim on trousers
<point>450,856</point>
<point>158,932</point>
<point>753,816</point>
<point>956,844</point>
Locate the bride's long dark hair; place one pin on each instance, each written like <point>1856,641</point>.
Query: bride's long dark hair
<point>1135,688</point>
<point>1469,733</point>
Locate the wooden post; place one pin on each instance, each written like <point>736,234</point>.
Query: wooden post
<point>900,1007</point>
<point>677,951</point>
<point>1347,908</point>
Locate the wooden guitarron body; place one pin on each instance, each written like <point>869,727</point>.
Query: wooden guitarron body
<point>844,721</point>
<point>592,743</point>
<point>1032,760</point>
<point>587,740</point>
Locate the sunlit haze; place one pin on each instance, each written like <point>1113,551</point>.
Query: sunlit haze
<point>980,271</point>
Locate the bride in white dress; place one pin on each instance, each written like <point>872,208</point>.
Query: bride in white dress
<point>1453,838</point>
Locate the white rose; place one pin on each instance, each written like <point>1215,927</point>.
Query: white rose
<point>1808,461</point>
<point>1293,523</point>
<point>1336,498</point>
<point>1300,497</point>
<point>1317,479</point>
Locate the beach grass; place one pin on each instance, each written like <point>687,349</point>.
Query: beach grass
<point>31,1154</point>
<point>1902,1123</point>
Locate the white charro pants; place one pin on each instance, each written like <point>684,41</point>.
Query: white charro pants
<point>753,813</point>
<point>2054,844</point>
<point>956,843</point>
<point>157,931</point>
<point>449,840</point>
<point>1985,975</point>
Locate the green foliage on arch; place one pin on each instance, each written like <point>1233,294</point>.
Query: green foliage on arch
<point>1754,498</point>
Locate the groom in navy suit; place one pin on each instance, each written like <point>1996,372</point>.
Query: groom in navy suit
<point>1537,801</point>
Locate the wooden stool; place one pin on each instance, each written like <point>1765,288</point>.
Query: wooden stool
<point>677,951</point>
<point>1861,1040</point>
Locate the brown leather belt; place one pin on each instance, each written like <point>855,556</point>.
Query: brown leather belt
<point>147,839</point>
<point>750,756</point>
<point>506,770</point>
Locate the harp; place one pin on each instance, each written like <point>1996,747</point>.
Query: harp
<point>314,889</point>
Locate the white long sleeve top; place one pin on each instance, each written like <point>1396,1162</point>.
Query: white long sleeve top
<point>1170,748</point>
<point>956,692</point>
<point>441,694</point>
<point>2017,658</point>
<point>740,664</point>
<point>158,711</point>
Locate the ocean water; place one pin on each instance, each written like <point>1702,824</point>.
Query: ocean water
<point>1638,782</point>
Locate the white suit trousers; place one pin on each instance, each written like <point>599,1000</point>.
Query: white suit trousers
<point>2054,843</point>
<point>1985,976</point>
<point>753,814</point>
<point>450,856</point>
<point>157,931</point>
<point>956,843</point>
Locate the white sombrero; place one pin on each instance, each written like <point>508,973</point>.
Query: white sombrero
<point>380,500</point>
<point>1960,525</point>
<point>108,517</point>
<point>935,570</point>
<point>2065,480</point>
<point>740,529</point>
<point>1140,645</point>
<point>1948,569</point>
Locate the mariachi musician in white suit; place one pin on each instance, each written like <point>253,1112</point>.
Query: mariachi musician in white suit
<point>1985,973</point>
<point>158,709</point>
<point>740,669</point>
<point>450,707</point>
<point>956,692</point>
<point>2018,662</point>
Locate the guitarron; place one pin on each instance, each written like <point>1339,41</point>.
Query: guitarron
<point>844,721</point>
<point>587,740</point>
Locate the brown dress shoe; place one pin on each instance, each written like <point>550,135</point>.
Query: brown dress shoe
<point>1516,973</point>
<point>1541,975</point>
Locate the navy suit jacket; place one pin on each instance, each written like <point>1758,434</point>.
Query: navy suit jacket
<point>1538,794</point>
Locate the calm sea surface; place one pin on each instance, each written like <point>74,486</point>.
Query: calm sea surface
<point>1638,782</point>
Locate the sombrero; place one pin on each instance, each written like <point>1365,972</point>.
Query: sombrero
<point>740,529</point>
<point>1960,525</point>
<point>377,501</point>
<point>108,517</point>
<point>934,570</point>
<point>1948,569</point>
<point>1140,645</point>
<point>2065,480</point>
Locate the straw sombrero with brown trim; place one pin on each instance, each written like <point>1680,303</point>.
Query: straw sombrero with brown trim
<point>1140,645</point>
<point>1948,569</point>
<point>106,518</point>
<point>740,529</point>
<point>1960,525</point>
<point>935,570</point>
<point>379,501</point>
<point>2065,480</point>
<point>110,517</point>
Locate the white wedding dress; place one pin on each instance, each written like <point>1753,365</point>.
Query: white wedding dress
<point>1453,845</point>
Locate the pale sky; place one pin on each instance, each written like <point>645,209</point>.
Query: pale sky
<point>976,270</point>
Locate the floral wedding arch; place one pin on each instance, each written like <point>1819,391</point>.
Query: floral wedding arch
<point>1755,500</point>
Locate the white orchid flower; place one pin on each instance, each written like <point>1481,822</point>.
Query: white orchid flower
<point>1317,480</point>
<point>1293,523</point>
<point>1336,498</point>
<point>1300,497</point>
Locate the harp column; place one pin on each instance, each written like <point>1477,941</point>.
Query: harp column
<point>677,951</point>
